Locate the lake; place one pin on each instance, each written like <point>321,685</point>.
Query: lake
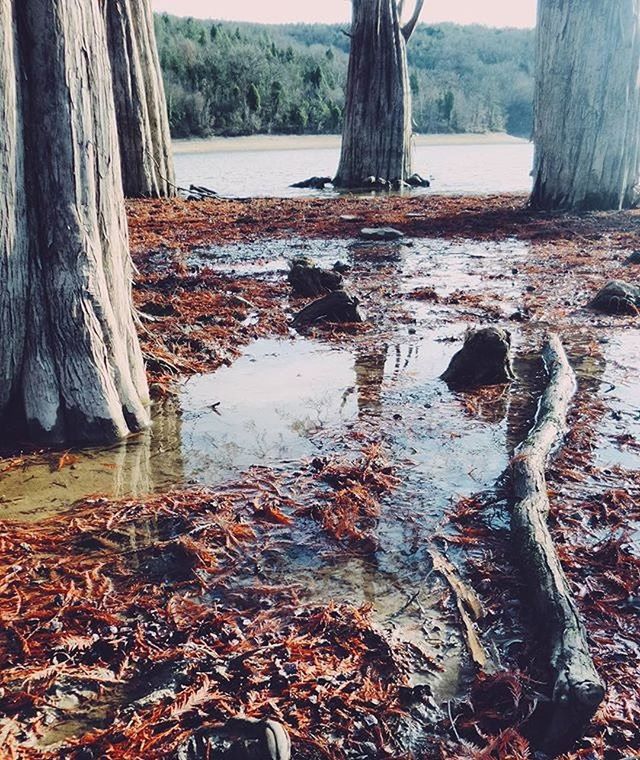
<point>266,165</point>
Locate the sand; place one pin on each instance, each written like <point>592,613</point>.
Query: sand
<point>315,142</point>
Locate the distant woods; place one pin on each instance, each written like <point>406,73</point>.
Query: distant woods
<point>237,79</point>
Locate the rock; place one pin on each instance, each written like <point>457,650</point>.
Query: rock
<point>256,740</point>
<point>307,279</point>
<point>415,180</point>
<point>315,183</point>
<point>380,233</point>
<point>338,306</point>
<point>617,297</point>
<point>484,359</point>
<point>634,258</point>
<point>341,266</point>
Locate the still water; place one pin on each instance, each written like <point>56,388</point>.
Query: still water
<point>468,164</point>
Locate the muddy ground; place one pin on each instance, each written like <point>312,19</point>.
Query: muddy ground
<point>268,549</point>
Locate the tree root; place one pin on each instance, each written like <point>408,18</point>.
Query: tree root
<point>578,689</point>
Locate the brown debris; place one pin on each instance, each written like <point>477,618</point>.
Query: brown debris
<point>150,619</point>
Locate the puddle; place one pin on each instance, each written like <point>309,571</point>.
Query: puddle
<point>268,257</point>
<point>406,612</point>
<point>620,385</point>
<point>277,404</point>
<point>284,401</point>
<point>269,407</point>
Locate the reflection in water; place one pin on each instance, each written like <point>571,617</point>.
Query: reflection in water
<point>269,406</point>
<point>146,462</point>
<point>369,370</point>
<point>524,398</point>
<point>266,409</point>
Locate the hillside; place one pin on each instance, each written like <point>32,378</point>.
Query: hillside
<point>238,79</point>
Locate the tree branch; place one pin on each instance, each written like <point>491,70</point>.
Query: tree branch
<point>407,29</point>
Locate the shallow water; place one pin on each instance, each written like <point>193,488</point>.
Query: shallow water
<point>286,401</point>
<point>465,169</point>
<point>621,386</point>
<point>264,409</point>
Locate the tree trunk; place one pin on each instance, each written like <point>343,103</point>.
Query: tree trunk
<point>14,248</point>
<point>69,351</point>
<point>376,137</point>
<point>143,125</point>
<point>587,104</point>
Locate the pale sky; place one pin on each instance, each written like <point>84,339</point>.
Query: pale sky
<point>490,12</point>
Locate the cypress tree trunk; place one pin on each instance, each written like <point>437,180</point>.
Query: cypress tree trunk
<point>71,361</point>
<point>376,137</point>
<point>143,125</point>
<point>14,249</point>
<point>587,104</point>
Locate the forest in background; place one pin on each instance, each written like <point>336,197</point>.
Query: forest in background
<point>237,79</point>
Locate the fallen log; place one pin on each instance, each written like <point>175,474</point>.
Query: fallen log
<point>577,687</point>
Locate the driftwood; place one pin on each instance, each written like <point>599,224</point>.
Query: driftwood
<point>484,359</point>
<point>469,608</point>
<point>338,306</point>
<point>577,689</point>
<point>199,192</point>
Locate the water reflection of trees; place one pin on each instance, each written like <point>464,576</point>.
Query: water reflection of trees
<point>383,262</point>
<point>140,465</point>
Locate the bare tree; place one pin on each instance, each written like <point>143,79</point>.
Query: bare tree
<point>376,137</point>
<point>143,126</point>
<point>587,104</point>
<point>70,362</point>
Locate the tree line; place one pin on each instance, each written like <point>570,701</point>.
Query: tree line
<point>238,79</point>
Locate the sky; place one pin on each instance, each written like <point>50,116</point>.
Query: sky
<point>490,12</point>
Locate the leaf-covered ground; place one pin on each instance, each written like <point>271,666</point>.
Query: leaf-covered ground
<point>136,628</point>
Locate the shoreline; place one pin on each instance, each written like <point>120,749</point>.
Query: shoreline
<point>327,142</point>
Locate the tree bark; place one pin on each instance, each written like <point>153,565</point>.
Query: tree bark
<point>143,125</point>
<point>14,249</point>
<point>587,104</point>
<point>578,689</point>
<point>72,361</point>
<point>376,137</point>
